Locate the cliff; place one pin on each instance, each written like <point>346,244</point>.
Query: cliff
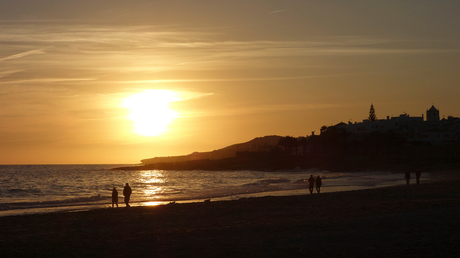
<point>259,144</point>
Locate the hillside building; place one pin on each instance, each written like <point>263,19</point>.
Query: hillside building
<point>432,114</point>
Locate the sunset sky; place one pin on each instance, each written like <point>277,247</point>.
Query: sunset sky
<point>74,74</point>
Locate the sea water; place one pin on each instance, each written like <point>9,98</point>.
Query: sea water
<point>29,189</point>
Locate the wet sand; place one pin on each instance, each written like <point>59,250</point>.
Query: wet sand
<point>403,221</point>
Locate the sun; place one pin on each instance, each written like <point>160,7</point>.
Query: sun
<point>150,111</point>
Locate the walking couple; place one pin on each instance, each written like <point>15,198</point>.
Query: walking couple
<point>126,193</point>
<point>311,183</point>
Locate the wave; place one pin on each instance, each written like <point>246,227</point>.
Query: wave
<point>269,181</point>
<point>66,202</point>
<point>25,191</point>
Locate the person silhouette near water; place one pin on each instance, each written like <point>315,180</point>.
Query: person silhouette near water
<point>127,193</point>
<point>407,177</point>
<point>318,183</point>
<point>417,176</point>
<point>114,197</point>
<point>311,183</point>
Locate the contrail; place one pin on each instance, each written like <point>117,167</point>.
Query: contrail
<point>31,52</point>
<point>278,11</point>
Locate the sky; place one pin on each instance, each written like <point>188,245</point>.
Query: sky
<point>75,74</point>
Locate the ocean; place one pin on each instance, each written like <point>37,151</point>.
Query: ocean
<point>32,189</point>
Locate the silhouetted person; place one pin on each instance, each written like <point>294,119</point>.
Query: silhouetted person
<point>114,197</point>
<point>417,176</point>
<point>318,183</point>
<point>311,184</point>
<point>127,193</point>
<point>407,177</point>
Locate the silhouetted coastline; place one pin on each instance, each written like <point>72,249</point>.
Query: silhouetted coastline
<point>407,158</point>
<point>337,148</point>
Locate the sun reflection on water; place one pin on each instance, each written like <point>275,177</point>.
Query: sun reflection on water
<point>152,203</point>
<point>153,184</point>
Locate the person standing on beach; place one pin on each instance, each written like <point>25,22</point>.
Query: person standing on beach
<point>407,177</point>
<point>311,184</point>
<point>318,183</point>
<point>417,176</point>
<point>114,197</point>
<point>127,193</point>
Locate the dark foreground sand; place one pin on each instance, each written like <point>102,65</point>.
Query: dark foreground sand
<point>403,221</point>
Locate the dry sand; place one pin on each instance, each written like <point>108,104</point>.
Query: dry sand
<point>403,221</point>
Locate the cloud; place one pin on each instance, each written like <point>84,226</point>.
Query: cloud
<point>126,53</point>
<point>6,73</point>
<point>182,94</point>
<point>239,110</point>
<point>46,80</point>
<point>23,54</point>
<point>278,11</point>
<point>227,79</point>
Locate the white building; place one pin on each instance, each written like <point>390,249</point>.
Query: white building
<point>400,123</point>
<point>415,129</point>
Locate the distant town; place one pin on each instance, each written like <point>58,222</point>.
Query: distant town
<point>417,130</point>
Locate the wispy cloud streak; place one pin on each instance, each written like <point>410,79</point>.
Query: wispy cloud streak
<point>47,80</point>
<point>278,11</point>
<point>259,109</point>
<point>23,54</point>
<point>96,51</point>
<point>226,79</point>
<point>6,73</point>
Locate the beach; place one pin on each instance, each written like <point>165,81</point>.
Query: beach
<point>398,221</point>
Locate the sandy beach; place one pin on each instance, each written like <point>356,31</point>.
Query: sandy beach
<point>403,221</point>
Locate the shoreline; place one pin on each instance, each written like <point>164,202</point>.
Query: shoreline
<point>18,211</point>
<point>414,220</point>
<point>77,207</point>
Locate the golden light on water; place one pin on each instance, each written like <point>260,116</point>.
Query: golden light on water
<point>150,111</point>
<point>153,179</point>
<point>153,203</point>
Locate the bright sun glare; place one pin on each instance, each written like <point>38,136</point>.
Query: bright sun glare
<point>150,111</point>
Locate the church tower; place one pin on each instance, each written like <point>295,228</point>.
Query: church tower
<point>432,114</point>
